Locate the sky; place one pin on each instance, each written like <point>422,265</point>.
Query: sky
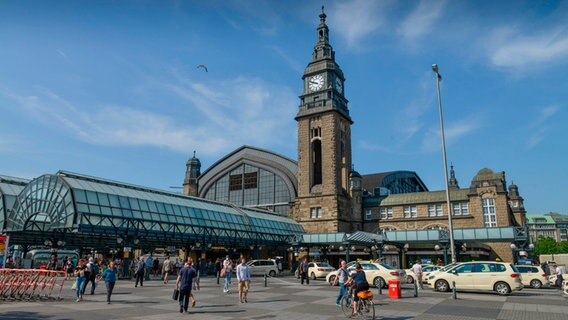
<point>112,88</point>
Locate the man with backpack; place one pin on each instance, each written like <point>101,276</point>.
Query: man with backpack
<point>93,268</point>
<point>342,276</point>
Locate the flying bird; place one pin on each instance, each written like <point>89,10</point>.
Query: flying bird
<point>202,66</point>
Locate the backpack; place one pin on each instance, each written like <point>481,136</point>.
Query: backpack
<point>95,268</point>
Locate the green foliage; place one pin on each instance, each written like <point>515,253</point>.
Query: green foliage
<point>549,246</point>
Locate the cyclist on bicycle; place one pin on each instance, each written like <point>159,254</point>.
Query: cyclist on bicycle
<point>358,282</point>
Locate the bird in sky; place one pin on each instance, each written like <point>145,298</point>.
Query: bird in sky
<point>202,66</point>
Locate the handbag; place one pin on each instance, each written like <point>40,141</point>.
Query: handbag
<point>175,295</point>
<point>222,274</point>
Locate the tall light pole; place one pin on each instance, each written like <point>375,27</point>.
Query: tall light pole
<point>450,223</point>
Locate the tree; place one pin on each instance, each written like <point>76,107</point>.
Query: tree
<point>546,246</point>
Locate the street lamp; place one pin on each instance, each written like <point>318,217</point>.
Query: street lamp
<point>450,223</point>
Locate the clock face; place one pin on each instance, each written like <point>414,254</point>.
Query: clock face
<point>316,82</point>
<point>339,85</point>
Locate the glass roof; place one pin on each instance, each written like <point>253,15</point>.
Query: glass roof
<point>97,197</point>
<point>12,185</point>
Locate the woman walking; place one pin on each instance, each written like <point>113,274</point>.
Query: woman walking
<point>109,275</point>
<point>81,279</point>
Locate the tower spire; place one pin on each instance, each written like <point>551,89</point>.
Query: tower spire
<point>453,183</point>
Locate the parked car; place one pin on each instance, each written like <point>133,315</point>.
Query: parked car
<point>377,274</point>
<point>426,270</point>
<point>262,267</point>
<point>533,276</point>
<point>500,277</point>
<point>319,269</point>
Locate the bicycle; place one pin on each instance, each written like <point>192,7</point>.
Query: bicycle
<point>365,307</point>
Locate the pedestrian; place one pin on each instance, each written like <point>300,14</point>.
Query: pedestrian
<point>139,272</point>
<point>303,269</point>
<point>155,267</point>
<point>183,283</point>
<point>52,265</point>
<point>166,268</point>
<point>417,269</point>
<point>80,280</point>
<point>359,282</point>
<point>109,276</point>
<point>69,268</point>
<point>148,267</point>
<point>243,280</point>
<point>197,267</point>
<point>218,267</point>
<point>93,269</point>
<point>280,269</point>
<point>226,272</point>
<point>342,276</point>
<point>559,278</point>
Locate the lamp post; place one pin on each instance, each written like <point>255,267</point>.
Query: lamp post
<point>450,223</point>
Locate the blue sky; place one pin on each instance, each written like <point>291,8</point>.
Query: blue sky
<point>111,88</point>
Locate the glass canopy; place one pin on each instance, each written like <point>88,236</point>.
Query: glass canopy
<point>79,204</point>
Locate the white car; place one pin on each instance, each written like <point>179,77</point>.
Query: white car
<point>319,269</point>
<point>426,270</point>
<point>533,276</point>
<point>500,277</point>
<point>262,267</point>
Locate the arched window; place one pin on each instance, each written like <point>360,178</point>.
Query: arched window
<point>316,163</point>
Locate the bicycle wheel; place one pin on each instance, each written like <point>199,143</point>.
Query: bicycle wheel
<point>366,309</point>
<point>346,305</point>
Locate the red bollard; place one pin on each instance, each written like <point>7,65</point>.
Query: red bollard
<point>394,289</point>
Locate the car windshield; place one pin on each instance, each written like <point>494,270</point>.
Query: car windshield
<point>387,266</point>
<point>448,267</point>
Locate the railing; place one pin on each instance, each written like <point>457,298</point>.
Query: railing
<point>30,284</point>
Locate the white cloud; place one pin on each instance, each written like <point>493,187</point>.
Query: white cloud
<point>452,132</point>
<point>223,115</point>
<point>509,49</point>
<point>538,127</point>
<point>354,20</point>
<point>421,19</point>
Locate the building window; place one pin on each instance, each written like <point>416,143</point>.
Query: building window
<point>410,212</point>
<point>251,180</point>
<point>369,214</point>
<point>435,210</point>
<point>315,213</point>
<point>489,217</point>
<point>460,209</point>
<point>386,213</point>
<point>235,182</point>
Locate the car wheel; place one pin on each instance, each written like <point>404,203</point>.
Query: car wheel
<point>536,284</point>
<point>409,279</point>
<point>379,282</point>
<point>442,286</point>
<point>313,276</point>
<point>272,273</point>
<point>331,280</point>
<point>502,288</point>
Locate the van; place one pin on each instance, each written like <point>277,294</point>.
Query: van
<point>37,258</point>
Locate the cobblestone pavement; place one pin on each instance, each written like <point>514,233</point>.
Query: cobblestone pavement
<point>284,298</point>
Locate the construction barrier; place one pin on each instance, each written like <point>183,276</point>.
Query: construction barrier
<point>30,284</point>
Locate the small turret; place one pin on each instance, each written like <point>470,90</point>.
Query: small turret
<point>192,173</point>
<point>453,182</point>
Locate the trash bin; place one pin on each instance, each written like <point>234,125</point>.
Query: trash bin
<point>394,289</point>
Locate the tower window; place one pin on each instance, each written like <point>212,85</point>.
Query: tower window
<point>316,163</point>
<point>251,179</point>
<point>315,213</point>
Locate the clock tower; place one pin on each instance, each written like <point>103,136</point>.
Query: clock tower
<point>324,144</point>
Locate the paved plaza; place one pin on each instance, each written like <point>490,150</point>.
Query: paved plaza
<point>284,298</point>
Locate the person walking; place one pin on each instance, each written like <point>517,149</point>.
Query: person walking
<point>93,267</point>
<point>166,269</point>
<point>304,271</point>
<point>139,272</point>
<point>155,267</point>
<point>80,279</point>
<point>109,276</point>
<point>342,276</point>
<point>227,270</point>
<point>69,269</point>
<point>243,280</point>
<point>417,269</point>
<point>559,278</point>
<point>149,261</point>
<point>184,283</point>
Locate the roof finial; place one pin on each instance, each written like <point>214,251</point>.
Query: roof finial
<point>322,15</point>
<point>194,153</point>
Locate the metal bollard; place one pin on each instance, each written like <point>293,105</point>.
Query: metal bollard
<point>218,276</point>
<point>415,289</point>
<point>265,281</point>
<point>380,288</point>
<point>454,292</point>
